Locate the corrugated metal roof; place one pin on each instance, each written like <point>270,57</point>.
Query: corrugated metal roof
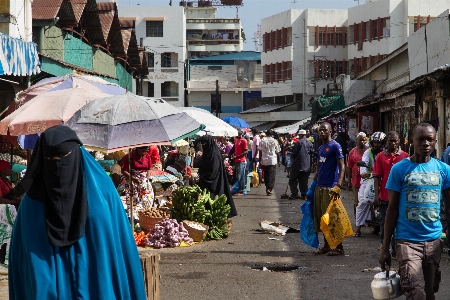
<point>70,12</point>
<point>45,9</point>
<point>93,24</point>
<point>243,55</point>
<point>266,108</point>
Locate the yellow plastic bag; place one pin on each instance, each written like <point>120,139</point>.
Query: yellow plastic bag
<point>254,178</point>
<point>335,223</point>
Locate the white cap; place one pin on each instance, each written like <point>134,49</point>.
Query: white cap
<point>302,131</point>
<point>262,134</point>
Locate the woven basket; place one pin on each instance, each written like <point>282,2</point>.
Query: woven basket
<point>195,234</point>
<point>148,223</point>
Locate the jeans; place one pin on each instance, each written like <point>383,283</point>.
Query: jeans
<point>299,178</point>
<point>241,175</point>
<point>383,209</point>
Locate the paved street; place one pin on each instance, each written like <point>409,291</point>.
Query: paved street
<point>219,269</point>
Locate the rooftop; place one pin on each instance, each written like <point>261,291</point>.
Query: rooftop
<point>266,108</point>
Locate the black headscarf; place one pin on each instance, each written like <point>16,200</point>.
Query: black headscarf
<point>59,183</point>
<point>212,172</point>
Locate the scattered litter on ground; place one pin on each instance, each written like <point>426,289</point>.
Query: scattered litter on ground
<point>276,228</point>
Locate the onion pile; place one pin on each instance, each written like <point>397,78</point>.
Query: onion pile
<point>167,233</point>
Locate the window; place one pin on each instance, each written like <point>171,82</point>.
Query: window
<point>215,68</point>
<point>339,69</point>
<point>169,89</point>
<point>151,60</point>
<point>154,28</point>
<point>150,89</point>
<point>166,60</point>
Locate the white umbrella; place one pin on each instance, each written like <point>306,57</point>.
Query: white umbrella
<point>213,125</point>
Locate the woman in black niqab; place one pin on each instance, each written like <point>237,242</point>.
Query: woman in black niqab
<point>212,172</point>
<point>54,177</point>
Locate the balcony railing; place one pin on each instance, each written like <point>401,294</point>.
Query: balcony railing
<point>212,20</point>
<point>212,42</point>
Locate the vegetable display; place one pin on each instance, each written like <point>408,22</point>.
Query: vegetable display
<point>217,218</point>
<point>139,238</point>
<point>167,233</point>
<point>191,203</point>
<point>155,212</point>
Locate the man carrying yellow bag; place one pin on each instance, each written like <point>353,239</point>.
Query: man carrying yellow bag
<point>335,223</point>
<point>326,186</point>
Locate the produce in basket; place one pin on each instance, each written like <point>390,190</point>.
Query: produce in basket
<point>167,233</point>
<point>196,230</point>
<point>155,212</point>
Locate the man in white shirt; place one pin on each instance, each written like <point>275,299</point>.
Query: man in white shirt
<point>269,153</point>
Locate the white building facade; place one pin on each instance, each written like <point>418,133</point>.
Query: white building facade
<point>304,51</point>
<point>207,35</point>
<point>162,32</point>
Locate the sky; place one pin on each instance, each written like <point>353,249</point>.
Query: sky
<point>253,11</point>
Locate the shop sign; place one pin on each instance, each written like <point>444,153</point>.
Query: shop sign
<point>157,76</point>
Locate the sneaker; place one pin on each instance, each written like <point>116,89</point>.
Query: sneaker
<point>292,197</point>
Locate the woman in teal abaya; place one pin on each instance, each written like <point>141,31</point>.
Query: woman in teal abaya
<point>71,238</point>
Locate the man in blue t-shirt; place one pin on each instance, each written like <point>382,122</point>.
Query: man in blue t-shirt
<point>414,187</point>
<point>330,173</point>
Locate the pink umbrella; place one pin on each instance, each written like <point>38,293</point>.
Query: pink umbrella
<point>89,83</point>
<point>47,110</point>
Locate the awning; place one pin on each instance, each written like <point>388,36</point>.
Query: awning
<point>265,126</point>
<point>261,125</point>
<point>17,57</point>
<point>293,128</point>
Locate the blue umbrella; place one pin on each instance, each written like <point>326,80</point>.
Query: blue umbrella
<point>235,121</point>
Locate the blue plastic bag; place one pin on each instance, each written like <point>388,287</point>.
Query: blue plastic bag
<point>235,188</point>
<point>307,233</point>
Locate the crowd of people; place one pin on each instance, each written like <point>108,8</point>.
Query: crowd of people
<point>410,191</point>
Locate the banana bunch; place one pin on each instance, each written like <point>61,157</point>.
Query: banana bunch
<point>217,219</point>
<point>193,204</point>
<point>189,203</point>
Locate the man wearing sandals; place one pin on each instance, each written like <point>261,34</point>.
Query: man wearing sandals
<point>330,174</point>
<point>414,190</point>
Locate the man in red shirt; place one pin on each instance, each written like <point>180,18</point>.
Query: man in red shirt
<point>239,157</point>
<point>354,156</point>
<point>385,160</point>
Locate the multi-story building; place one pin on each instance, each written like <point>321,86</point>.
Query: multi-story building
<point>304,51</point>
<point>237,76</point>
<point>207,35</point>
<point>161,32</point>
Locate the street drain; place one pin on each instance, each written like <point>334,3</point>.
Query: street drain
<point>275,267</point>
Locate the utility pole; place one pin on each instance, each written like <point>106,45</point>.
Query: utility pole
<point>216,102</point>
